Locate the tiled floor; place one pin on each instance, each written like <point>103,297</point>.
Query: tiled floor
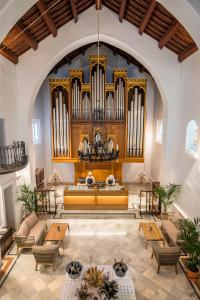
<point>98,241</point>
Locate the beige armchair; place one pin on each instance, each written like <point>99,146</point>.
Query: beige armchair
<point>45,255</point>
<point>166,256</point>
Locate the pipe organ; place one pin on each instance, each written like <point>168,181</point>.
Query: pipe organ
<point>80,109</point>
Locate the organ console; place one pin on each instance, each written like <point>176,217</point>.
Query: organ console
<point>79,110</point>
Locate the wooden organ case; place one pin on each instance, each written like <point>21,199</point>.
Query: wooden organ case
<point>79,109</point>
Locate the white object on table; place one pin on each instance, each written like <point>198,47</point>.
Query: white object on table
<point>126,286</point>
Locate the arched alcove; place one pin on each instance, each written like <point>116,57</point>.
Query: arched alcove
<point>129,170</point>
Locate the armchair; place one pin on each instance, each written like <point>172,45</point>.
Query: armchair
<point>45,255</point>
<point>166,256</point>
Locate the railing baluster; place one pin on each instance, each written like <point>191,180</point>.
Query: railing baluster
<point>152,202</point>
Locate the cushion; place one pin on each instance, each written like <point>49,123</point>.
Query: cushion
<point>31,220</point>
<point>170,229</point>
<point>37,230</point>
<point>44,248</point>
<point>167,250</point>
<point>23,229</point>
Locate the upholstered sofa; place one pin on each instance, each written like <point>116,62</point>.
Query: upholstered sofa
<point>30,230</point>
<point>171,229</point>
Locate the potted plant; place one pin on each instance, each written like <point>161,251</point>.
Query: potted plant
<point>94,277</point>
<point>190,236</point>
<point>167,195</point>
<point>28,197</point>
<point>110,289</point>
<point>83,292</point>
<point>74,269</point>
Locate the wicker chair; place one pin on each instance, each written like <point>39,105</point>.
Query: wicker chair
<point>45,255</point>
<point>166,256</point>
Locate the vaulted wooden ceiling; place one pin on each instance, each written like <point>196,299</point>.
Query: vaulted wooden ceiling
<point>47,16</point>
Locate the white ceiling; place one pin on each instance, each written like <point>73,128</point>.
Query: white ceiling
<point>2,4</point>
<point>195,4</point>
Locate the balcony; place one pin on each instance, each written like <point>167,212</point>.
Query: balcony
<point>13,157</point>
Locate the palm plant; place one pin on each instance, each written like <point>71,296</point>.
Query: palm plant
<point>167,194</point>
<point>190,236</point>
<point>28,197</point>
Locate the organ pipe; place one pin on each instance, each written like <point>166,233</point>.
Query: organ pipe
<point>135,125</point>
<point>120,100</point>
<point>64,130</point>
<point>61,121</point>
<point>57,127</point>
<point>54,131</point>
<point>117,103</point>
<point>135,113</point>
<point>131,129</point>
<point>76,100</point>
<point>128,135</point>
<point>103,91</point>
<point>142,131</point>
<point>60,125</point>
<point>98,93</point>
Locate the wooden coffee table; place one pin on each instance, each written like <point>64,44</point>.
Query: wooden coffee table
<point>56,233</point>
<point>151,232</point>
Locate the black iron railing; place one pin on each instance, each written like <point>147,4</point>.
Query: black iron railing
<point>13,157</point>
<point>149,201</point>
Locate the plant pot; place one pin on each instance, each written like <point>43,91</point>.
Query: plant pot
<point>120,269</point>
<point>193,275</point>
<point>74,269</point>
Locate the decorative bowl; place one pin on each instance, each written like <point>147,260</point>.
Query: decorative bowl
<point>74,269</point>
<point>120,268</point>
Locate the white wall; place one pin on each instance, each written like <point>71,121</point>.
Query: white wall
<point>187,167</point>
<point>5,182</point>
<point>157,148</point>
<point>8,99</point>
<point>15,180</point>
<point>38,154</point>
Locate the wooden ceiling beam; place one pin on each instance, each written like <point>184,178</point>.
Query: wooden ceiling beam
<point>74,10</point>
<point>141,69</point>
<point>47,17</point>
<point>27,36</point>
<point>7,53</point>
<point>169,34</point>
<point>114,51</point>
<point>187,52</point>
<point>122,10</point>
<point>147,16</point>
<point>98,4</point>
